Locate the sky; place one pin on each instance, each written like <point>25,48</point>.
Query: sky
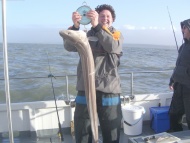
<point>140,21</point>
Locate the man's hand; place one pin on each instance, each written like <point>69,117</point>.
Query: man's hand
<point>76,17</point>
<point>93,15</point>
<point>171,87</point>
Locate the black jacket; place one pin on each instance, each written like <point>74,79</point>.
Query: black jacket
<point>181,73</point>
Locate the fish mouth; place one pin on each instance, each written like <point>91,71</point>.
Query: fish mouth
<point>73,37</point>
<point>65,33</point>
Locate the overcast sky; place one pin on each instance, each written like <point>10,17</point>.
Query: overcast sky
<point>140,21</point>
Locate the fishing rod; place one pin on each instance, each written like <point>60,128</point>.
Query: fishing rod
<point>172,28</point>
<point>52,76</point>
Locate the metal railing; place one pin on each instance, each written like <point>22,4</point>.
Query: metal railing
<point>131,73</point>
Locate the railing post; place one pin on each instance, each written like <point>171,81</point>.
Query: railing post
<point>6,72</point>
<point>67,86</point>
<point>131,83</point>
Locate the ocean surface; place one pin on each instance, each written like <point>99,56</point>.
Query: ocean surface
<point>31,64</point>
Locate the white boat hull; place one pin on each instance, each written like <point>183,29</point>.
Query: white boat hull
<point>41,116</point>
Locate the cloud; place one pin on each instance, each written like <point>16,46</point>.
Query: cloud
<point>133,27</point>
<point>163,28</point>
<point>130,27</point>
<point>155,28</point>
<point>175,29</point>
<point>150,28</point>
<point>152,34</point>
<point>143,28</point>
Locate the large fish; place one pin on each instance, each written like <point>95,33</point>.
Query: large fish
<point>80,41</point>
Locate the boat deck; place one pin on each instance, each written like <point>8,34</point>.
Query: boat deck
<point>68,138</point>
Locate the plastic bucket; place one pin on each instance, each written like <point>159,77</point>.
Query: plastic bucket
<point>132,119</point>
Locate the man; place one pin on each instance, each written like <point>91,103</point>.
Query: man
<point>106,53</point>
<point>180,83</point>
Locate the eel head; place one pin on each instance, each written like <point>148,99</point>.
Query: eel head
<point>73,36</point>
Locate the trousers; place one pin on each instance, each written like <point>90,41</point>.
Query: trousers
<point>180,105</point>
<point>109,114</point>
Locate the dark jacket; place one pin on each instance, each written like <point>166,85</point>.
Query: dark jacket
<point>171,82</point>
<point>106,53</point>
<point>181,73</point>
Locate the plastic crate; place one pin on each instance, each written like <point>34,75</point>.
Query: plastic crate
<point>159,117</point>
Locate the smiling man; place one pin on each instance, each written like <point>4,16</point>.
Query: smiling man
<point>106,50</point>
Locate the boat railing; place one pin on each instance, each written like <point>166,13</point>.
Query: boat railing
<point>131,73</point>
<point>68,96</point>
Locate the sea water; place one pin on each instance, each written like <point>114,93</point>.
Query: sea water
<point>30,65</point>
